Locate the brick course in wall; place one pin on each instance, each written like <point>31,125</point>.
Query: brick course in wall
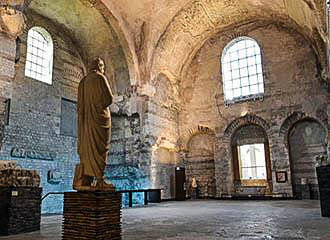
<point>151,131</point>
<point>35,112</point>
<point>291,85</point>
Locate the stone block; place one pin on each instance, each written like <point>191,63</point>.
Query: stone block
<point>303,191</point>
<point>19,178</point>
<point>20,209</point>
<point>7,165</point>
<point>92,215</point>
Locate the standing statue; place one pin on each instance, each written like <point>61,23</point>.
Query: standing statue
<point>193,182</point>
<point>94,126</point>
<point>194,186</point>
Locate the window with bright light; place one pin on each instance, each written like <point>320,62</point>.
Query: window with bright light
<point>242,73</point>
<point>39,57</point>
<point>252,162</point>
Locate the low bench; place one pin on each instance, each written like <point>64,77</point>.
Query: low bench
<point>150,195</point>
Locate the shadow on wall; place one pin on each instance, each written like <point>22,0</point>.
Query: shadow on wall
<point>126,177</point>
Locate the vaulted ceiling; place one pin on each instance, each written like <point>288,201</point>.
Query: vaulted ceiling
<point>91,26</point>
<point>145,37</point>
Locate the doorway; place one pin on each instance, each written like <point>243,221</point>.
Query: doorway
<point>180,179</point>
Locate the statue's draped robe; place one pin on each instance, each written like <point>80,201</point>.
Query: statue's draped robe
<point>94,123</point>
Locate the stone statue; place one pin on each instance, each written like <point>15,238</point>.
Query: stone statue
<point>193,182</point>
<point>194,188</point>
<point>94,126</point>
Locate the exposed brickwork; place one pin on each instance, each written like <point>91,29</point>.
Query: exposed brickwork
<point>291,84</point>
<point>176,52</point>
<point>96,215</point>
<point>306,141</point>
<point>199,163</point>
<point>35,112</point>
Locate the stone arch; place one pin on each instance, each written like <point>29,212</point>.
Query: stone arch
<point>118,24</point>
<point>250,134</point>
<point>30,23</point>
<point>306,139</point>
<point>225,177</point>
<point>245,120</point>
<point>199,20</point>
<point>295,117</point>
<point>199,129</point>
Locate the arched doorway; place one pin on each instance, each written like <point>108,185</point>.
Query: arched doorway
<point>200,164</point>
<point>251,161</point>
<point>306,140</point>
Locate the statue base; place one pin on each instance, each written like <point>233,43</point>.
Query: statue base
<point>20,210</point>
<point>194,193</point>
<point>92,215</point>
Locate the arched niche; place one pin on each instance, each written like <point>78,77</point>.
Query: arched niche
<point>162,173</point>
<point>306,140</point>
<point>200,164</point>
<point>297,116</point>
<point>251,165</point>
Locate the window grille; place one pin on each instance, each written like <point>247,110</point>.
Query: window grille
<point>39,57</point>
<point>252,162</point>
<point>242,73</point>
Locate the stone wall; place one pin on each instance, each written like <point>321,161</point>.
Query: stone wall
<point>200,164</point>
<point>41,133</point>
<point>162,172</point>
<point>180,89</point>
<point>160,126</point>
<point>128,168</point>
<point>33,136</point>
<point>291,85</point>
<point>125,140</point>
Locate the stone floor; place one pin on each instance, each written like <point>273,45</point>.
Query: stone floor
<point>203,220</point>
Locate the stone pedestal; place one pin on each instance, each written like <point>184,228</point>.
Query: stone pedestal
<point>92,215</point>
<point>194,193</point>
<point>323,177</point>
<point>303,191</point>
<point>20,209</point>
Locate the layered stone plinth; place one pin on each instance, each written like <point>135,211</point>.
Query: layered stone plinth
<point>323,177</point>
<point>92,215</point>
<point>20,209</point>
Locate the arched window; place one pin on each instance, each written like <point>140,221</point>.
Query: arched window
<point>39,57</point>
<point>251,157</point>
<point>242,70</point>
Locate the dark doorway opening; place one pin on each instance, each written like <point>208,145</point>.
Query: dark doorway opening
<point>180,179</point>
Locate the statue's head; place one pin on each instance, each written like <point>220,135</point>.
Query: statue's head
<point>98,65</point>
